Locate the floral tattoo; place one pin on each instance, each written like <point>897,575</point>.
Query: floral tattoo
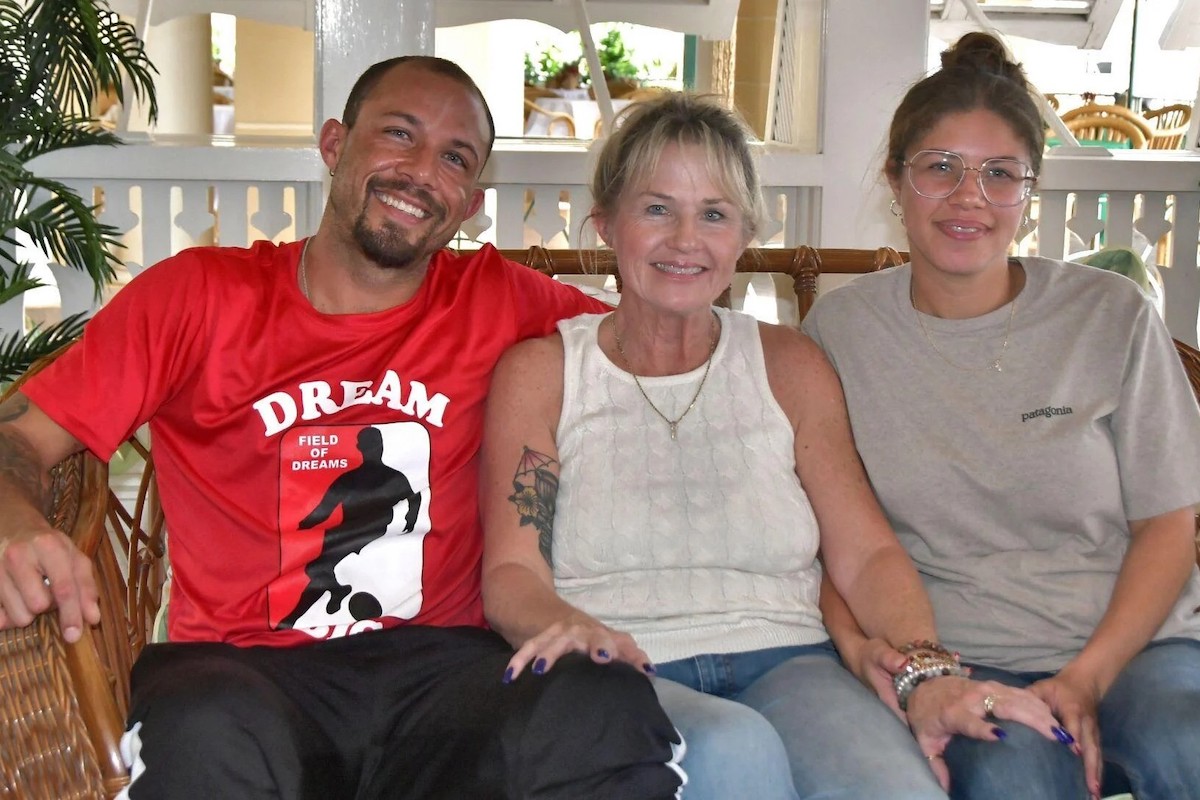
<point>535,490</point>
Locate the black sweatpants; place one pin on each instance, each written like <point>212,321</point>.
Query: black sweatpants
<point>409,712</point>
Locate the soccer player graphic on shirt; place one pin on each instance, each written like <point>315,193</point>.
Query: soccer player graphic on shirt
<point>371,496</point>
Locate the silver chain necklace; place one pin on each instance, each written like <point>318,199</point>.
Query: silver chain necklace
<point>673,424</point>
<point>995,366</point>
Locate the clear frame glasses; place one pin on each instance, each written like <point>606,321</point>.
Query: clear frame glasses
<point>938,173</point>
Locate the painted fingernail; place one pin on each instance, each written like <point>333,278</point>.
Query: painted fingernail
<point>539,666</point>
<point>508,675</point>
<point>1000,733</point>
<point>602,653</point>
<point>648,668</point>
<point>1062,735</point>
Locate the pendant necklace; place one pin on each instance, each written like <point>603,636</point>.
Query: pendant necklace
<point>672,424</point>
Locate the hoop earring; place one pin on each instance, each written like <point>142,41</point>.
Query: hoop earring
<point>896,212</point>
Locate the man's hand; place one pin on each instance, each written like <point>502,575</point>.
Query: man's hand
<point>42,570</point>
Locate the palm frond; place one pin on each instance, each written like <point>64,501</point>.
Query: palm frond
<point>18,351</point>
<point>60,134</point>
<point>83,47</point>
<point>20,281</point>
<point>66,229</point>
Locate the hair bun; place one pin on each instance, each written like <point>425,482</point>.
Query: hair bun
<point>982,52</point>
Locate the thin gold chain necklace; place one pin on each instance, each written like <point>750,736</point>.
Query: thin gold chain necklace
<point>672,424</point>
<point>995,366</point>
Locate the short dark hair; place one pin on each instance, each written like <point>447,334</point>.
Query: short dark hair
<point>976,73</point>
<point>438,66</point>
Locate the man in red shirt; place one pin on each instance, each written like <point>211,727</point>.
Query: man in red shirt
<point>316,410</point>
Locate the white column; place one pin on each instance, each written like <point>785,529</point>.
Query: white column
<point>181,49</point>
<point>354,34</point>
<point>873,52</point>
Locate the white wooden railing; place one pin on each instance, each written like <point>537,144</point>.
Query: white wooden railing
<point>174,193</point>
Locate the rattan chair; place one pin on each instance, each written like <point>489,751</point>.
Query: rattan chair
<point>553,118</point>
<point>803,264</point>
<point>63,706</point>
<point>1115,130</point>
<point>1090,110</point>
<point>1169,125</point>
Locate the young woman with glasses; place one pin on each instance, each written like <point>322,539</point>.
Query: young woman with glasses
<point>1035,444</point>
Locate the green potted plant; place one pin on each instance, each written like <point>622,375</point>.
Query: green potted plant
<point>56,56</point>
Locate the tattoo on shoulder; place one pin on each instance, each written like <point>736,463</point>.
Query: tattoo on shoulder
<point>13,408</point>
<point>535,491</point>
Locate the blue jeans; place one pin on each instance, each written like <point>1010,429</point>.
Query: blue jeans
<point>1149,732</point>
<point>786,723</point>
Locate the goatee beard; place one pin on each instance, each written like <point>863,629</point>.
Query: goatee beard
<point>387,246</point>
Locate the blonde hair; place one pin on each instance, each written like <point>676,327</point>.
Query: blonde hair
<point>631,153</point>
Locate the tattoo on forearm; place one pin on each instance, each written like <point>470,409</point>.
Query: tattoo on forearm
<point>535,491</point>
<point>19,466</point>
<point>14,408</point>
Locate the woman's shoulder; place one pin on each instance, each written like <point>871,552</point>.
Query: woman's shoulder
<point>1067,283</point>
<point>872,288</point>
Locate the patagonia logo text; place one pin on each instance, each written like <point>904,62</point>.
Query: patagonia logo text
<point>1048,411</point>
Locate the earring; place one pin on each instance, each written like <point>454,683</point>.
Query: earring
<point>896,212</point>
<point>331,173</point>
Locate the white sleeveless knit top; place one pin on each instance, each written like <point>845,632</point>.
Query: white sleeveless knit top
<point>704,544</point>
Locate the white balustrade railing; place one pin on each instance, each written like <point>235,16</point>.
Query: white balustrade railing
<point>174,193</point>
<point>1128,198</point>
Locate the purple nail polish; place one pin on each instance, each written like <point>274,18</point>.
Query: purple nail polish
<point>539,666</point>
<point>602,653</point>
<point>648,668</point>
<point>1062,735</point>
<point>508,676</point>
<point>1000,733</point>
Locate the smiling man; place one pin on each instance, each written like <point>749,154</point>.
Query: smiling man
<point>316,410</point>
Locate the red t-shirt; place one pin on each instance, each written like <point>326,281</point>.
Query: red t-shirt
<point>318,472</point>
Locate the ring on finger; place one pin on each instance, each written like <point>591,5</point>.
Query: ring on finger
<point>932,756</point>
<point>989,705</point>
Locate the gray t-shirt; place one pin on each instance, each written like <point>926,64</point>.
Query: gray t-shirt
<point>1011,490</point>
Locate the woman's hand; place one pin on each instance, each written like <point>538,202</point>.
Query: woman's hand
<point>943,707</point>
<point>1073,697</point>
<point>576,633</point>
<point>874,662</point>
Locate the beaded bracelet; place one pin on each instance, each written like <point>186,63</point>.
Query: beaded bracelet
<point>929,660</point>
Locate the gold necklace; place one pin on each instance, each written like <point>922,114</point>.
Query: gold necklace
<point>673,424</point>
<point>304,272</point>
<point>994,366</point>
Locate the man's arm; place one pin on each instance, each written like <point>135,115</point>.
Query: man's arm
<point>39,566</point>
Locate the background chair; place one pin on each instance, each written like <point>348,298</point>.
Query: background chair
<point>1169,125</point>
<point>1091,109</point>
<point>1106,130</point>
<point>553,118</point>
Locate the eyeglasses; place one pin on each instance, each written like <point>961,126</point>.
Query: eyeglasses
<point>938,173</point>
